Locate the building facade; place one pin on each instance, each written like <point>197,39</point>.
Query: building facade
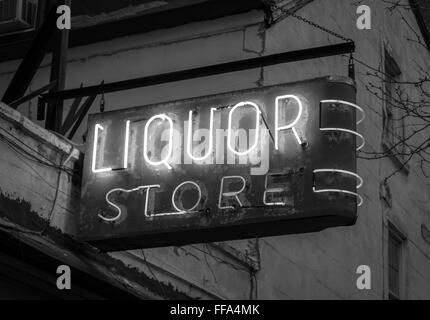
<point>392,232</point>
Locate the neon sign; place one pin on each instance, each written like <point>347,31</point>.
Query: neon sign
<point>257,162</point>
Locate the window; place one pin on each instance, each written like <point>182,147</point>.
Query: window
<point>17,15</point>
<point>7,10</point>
<point>395,263</point>
<point>394,114</point>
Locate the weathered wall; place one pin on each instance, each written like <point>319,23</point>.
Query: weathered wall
<point>323,265</point>
<point>33,190</point>
<point>319,265</point>
<point>39,204</point>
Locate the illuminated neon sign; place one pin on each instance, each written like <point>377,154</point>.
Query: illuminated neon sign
<point>257,162</point>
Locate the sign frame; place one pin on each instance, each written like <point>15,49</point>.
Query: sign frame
<point>312,171</point>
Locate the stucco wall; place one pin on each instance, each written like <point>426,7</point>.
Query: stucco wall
<point>318,265</point>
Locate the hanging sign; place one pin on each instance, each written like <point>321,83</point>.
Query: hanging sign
<point>252,163</point>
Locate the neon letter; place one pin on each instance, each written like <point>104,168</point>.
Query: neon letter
<point>127,137</point>
<point>190,136</point>
<point>272,190</point>
<point>197,202</point>
<point>96,138</point>
<point>230,193</point>
<point>292,124</point>
<point>257,127</point>
<point>145,141</point>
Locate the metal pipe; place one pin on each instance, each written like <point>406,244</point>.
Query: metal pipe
<point>278,58</point>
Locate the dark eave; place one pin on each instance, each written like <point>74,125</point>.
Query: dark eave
<point>97,273</point>
<point>174,14</point>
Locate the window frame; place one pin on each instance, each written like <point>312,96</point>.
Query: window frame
<point>394,232</point>
<point>390,137</point>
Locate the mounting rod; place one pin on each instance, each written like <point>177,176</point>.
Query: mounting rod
<point>278,58</point>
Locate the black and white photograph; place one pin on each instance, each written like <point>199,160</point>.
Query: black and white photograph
<point>214,154</point>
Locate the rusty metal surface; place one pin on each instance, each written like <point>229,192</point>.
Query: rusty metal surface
<point>291,167</point>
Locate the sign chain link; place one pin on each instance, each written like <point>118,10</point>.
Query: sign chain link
<point>315,25</point>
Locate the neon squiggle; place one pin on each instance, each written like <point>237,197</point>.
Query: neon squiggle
<point>363,141</point>
<point>359,184</point>
<point>363,114</point>
<point>359,178</point>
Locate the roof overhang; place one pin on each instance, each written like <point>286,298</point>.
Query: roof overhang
<point>172,14</point>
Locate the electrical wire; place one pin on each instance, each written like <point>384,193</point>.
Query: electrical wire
<point>50,215</point>
<point>152,273</point>
<point>313,24</point>
<point>78,145</point>
<point>26,154</point>
<point>30,156</point>
<point>19,149</point>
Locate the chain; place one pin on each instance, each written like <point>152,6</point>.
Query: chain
<point>315,25</point>
<point>102,100</point>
